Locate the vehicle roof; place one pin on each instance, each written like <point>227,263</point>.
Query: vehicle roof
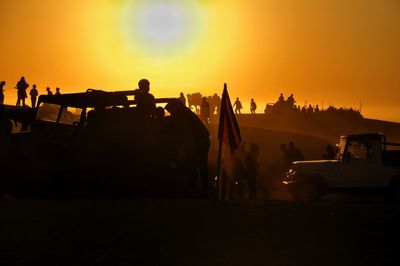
<point>92,98</point>
<point>364,136</point>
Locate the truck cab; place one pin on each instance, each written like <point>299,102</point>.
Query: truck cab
<point>365,164</point>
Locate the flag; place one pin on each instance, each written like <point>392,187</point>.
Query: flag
<point>228,130</point>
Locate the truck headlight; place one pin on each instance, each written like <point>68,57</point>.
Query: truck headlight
<point>291,173</point>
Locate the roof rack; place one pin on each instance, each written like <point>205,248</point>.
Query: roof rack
<point>93,98</point>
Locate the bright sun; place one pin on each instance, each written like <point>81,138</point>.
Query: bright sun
<point>161,27</point>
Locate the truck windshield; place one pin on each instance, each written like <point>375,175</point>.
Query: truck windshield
<point>359,149</point>
<point>50,112</point>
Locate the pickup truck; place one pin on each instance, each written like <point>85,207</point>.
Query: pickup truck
<point>365,164</point>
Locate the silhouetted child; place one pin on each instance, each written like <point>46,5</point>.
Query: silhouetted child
<point>58,91</point>
<point>253,106</point>
<point>33,93</point>
<point>49,92</point>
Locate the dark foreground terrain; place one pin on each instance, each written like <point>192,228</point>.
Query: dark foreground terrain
<point>196,232</point>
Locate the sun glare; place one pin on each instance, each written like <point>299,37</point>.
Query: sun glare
<point>163,28</point>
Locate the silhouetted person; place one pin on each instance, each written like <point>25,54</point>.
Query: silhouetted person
<point>21,91</point>
<point>196,135</point>
<point>294,153</point>
<point>160,112</point>
<point>57,91</point>
<point>290,101</point>
<point>238,106</point>
<point>2,92</point>
<point>49,92</point>
<point>251,163</point>
<point>285,157</point>
<point>216,102</point>
<point>253,106</point>
<point>182,98</point>
<point>145,101</point>
<point>5,123</point>
<point>310,109</point>
<point>33,93</point>
<point>281,99</point>
<point>204,111</point>
<point>330,153</point>
<point>316,108</point>
<point>303,109</point>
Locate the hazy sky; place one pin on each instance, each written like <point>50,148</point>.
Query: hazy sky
<point>339,52</point>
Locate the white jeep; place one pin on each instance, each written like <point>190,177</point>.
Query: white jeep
<point>365,164</point>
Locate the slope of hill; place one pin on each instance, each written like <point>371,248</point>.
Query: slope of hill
<point>323,125</point>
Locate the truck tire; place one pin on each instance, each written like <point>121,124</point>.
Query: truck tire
<point>308,192</point>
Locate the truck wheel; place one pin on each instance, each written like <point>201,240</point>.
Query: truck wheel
<point>307,193</point>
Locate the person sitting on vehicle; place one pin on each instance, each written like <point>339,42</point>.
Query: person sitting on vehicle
<point>145,101</point>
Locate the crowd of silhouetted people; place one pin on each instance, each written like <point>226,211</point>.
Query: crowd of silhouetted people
<point>22,93</point>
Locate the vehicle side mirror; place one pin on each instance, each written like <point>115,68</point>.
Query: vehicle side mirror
<point>347,157</point>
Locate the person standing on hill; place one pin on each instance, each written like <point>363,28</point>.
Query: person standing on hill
<point>21,91</point>
<point>204,111</point>
<point>2,92</point>
<point>182,98</point>
<point>238,106</point>
<point>252,165</point>
<point>33,93</point>
<point>253,107</point>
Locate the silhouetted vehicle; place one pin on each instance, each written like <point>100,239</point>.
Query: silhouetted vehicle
<point>96,144</point>
<point>365,164</point>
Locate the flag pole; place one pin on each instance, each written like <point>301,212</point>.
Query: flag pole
<point>219,163</point>
<point>219,171</point>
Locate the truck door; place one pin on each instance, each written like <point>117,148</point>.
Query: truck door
<point>359,166</point>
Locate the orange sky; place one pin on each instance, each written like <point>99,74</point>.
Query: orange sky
<point>339,52</point>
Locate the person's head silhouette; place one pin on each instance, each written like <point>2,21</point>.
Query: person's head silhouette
<point>144,85</point>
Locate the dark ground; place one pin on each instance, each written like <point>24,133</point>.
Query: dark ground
<point>197,232</point>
